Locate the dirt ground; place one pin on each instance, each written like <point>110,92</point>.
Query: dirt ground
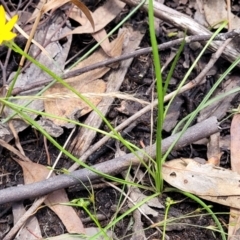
<point>139,81</point>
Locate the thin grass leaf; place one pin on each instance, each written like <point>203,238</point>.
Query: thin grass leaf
<point>160,96</point>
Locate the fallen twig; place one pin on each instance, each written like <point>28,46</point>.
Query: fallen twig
<point>111,167</point>
<point>185,22</point>
<point>163,46</point>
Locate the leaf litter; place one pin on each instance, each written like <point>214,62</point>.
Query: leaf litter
<point>89,82</point>
<point>109,10</point>
<point>33,172</point>
<point>206,180</point>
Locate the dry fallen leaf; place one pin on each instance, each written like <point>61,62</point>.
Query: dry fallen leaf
<point>58,52</point>
<point>102,16</point>
<point>71,106</point>
<point>212,183</point>
<point>88,82</point>
<point>54,4</point>
<point>85,10</point>
<point>110,9</point>
<point>216,12</point>
<point>31,228</point>
<point>235,143</point>
<point>34,172</point>
<point>234,217</point>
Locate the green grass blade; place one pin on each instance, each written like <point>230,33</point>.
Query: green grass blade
<point>160,96</point>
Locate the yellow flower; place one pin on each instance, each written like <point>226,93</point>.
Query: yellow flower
<point>5,28</point>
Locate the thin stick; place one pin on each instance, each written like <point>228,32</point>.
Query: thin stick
<point>182,21</point>
<point>111,167</point>
<point>40,83</point>
<point>33,30</point>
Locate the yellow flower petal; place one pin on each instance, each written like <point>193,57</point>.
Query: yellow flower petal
<point>2,17</point>
<point>5,28</point>
<point>9,36</point>
<point>11,23</point>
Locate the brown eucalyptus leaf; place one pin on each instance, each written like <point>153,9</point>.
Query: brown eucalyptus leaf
<point>101,17</point>
<point>45,7</point>
<point>235,143</point>
<point>53,4</point>
<point>216,12</point>
<point>105,45</point>
<point>85,10</point>
<point>212,183</point>
<point>70,105</point>
<point>110,9</point>
<point>88,82</point>
<point>234,219</point>
<point>201,179</point>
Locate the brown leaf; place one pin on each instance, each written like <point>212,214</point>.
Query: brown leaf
<point>34,172</point>
<point>110,9</point>
<point>235,143</point>
<point>98,36</point>
<point>67,214</point>
<point>101,17</point>
<point>56,4</point>
<point>71,106</point>
<point>204,180</point>
<point>53,4</point>
<point>85,83</point>
<point>85,10</point>
<point>216,12</point>
<point>201,179</point>
<point>234,219</point>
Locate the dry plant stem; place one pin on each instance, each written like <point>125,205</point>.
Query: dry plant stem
<point>40,83</point>
<point>46,150</point>
<point>98,216</point>
<point>14,150</point>
<point>5,67</point>
<point>3,73</point>
<point>3,2</point>
<point>17,141</point>
<point>33,30</point>
<point>45,44</point>
<point>185,22</point>
<point>212,61</point>
<point>229,14</point>
<point>111,167</point>
<point>60,154</point>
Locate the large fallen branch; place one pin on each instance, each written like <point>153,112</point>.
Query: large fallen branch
<point>111,167</point>
<point>185,22</point>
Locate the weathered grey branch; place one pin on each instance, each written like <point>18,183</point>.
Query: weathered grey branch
<point>184,22</point>
<point>111,167</point>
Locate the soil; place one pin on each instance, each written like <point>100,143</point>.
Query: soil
<point>138,81</point>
